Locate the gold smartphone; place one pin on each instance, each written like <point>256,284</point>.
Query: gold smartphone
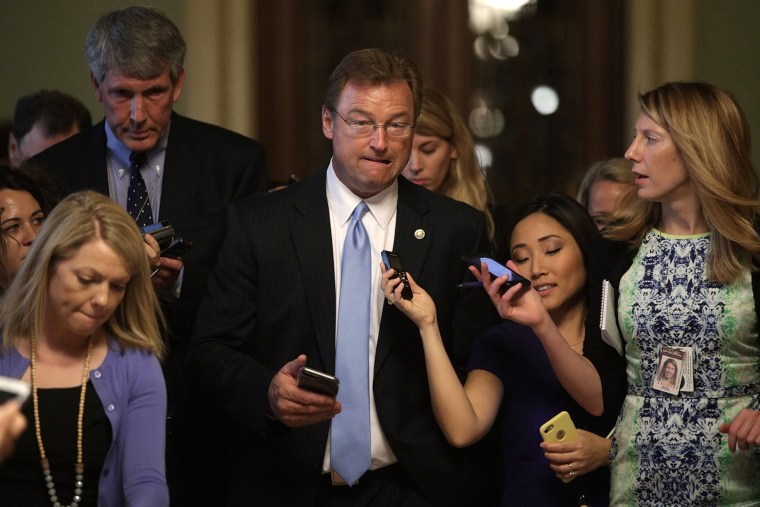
<point>559,428</point>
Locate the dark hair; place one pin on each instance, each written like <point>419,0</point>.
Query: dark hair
<point>569,213</point>
<point>374,67</point>
<point>141,42</point>
<point>25,179</point>
<point>56,112</point>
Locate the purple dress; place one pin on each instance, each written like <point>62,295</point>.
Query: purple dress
<point>532,396</point>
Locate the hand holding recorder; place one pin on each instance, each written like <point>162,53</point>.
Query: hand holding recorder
<point>420,308</point>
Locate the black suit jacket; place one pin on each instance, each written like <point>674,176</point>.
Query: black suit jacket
<point>272,297</point>
<point>206,168</point>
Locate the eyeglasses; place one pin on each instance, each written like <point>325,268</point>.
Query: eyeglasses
<point>365,128</point>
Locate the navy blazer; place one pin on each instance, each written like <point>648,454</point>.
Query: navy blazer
<point>205,168</point>
<point>271,297</point>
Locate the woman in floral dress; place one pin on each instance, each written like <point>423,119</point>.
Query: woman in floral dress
<point>689,296</point>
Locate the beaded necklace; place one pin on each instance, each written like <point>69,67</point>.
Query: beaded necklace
<point>79,466</point>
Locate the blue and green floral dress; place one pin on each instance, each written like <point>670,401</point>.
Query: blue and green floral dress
<point>667,449</point>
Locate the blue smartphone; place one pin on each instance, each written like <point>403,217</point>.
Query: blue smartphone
<point>496,269</point>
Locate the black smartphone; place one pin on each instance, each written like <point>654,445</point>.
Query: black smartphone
<point>177,247</point>
<point>168,244</point>
<point>392,260</point>
<point>318,382</point>
<point>11,388</point>
<point>162,232</point>
<point>496,269</point>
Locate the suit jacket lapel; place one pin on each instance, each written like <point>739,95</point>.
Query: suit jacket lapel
<point>312,239</point>
<point>414,234</point>
<point>181,172</point>
<point>94,173</point>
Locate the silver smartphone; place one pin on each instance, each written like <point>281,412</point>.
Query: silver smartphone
<point>318,382</point>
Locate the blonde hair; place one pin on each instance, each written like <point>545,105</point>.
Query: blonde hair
<point>465,181</point>
<point>616,170</point>
<point>712,134</point>
<point>80,218</point>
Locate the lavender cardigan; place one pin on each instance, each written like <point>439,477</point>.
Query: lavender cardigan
<point>131,386</point>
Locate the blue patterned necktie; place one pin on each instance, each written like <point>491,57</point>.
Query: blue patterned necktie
<point>350,445</point>
<point>138,202</point>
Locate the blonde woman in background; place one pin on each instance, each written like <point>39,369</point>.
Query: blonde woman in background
<point>603,186</point>
<point>443,157</point>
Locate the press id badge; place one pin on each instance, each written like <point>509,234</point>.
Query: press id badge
<point>669,370</point>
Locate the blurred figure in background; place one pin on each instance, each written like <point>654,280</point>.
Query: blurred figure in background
<point>603,185</point>
<point>443,155</point>
<point>43,119</point>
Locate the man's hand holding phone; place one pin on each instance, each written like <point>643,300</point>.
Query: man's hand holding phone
<point>164,270</point>
<point>295,406</point>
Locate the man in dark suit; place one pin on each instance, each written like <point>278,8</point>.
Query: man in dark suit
<point>272,306</point>
<point>190,172</point>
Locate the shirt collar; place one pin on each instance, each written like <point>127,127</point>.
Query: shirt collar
<point>120,153</point>
<point>342,200</point>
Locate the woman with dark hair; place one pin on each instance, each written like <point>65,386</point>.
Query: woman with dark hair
<point>550,242</point>
<point>23,206</point>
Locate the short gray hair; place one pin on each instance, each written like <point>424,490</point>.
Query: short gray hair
<point>139,41</point>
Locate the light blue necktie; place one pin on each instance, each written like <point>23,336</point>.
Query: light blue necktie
<point>350,446</point>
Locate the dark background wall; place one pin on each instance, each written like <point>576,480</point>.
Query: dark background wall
<point>581,48</point>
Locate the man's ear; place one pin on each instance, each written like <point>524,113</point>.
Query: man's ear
<point>14,152</point>
<point>178,86</point>
<point>96,87</point>
<point>327,123</point>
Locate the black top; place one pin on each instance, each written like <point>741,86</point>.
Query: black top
<point>21,479</point>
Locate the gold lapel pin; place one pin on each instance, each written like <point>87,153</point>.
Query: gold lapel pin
<point>419,233</point>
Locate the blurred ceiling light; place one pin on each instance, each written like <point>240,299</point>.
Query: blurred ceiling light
<point>485,122</point>
<point>545,99</point>
<point>485,157</point>
<point>505,47</point>
<point>491,15</point>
